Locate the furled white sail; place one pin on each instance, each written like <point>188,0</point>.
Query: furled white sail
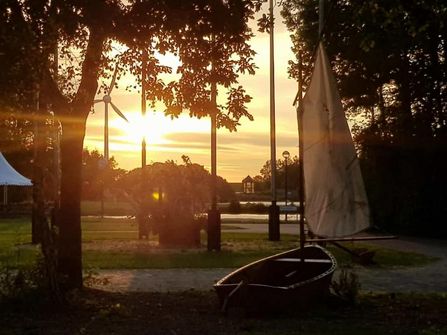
<point>336,202</point>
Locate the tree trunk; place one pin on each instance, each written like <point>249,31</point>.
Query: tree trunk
<point>70,250</point>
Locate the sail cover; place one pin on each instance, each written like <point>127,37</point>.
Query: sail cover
<point>336,202</point>
<point>9,176</point>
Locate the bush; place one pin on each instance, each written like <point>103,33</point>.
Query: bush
<point>346,286</point>
<point>234,207</point>
<point>16,283</point>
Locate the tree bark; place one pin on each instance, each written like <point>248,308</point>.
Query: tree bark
<point>70,243</point>
<point>73,120</point>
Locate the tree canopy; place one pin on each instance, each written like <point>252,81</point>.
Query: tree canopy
<point>60,49</point>
<point>390,62</point>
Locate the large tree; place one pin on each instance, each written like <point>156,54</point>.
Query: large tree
<point>390,62</point>
<point>84,33</point>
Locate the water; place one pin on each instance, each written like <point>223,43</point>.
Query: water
<point>242,217</point>
<point>257,217</point>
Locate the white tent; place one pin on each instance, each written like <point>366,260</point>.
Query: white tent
<point>9,176</point>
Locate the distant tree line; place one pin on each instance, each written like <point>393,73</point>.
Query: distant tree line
<point>186,178</point>
<point>389,58</point>
<point>263,179</point>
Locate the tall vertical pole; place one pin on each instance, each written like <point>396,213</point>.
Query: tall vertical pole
<point>106,132</point>
<point>213,147</point>
<point>285,180</point>
<point>5,196</point>
<point>143,106</point>
<point>214,237</point>
<point>273,209</point>
<point>300,151</point>
<point>56,137</point>
<point>106,154</point>
<point>143,228</point>
<point>285,185</point>
<point>37,210</point>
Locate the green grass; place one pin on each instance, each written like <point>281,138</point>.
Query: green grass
<point>111,208</point>
<point>202,259</point>
<point>113,243</point>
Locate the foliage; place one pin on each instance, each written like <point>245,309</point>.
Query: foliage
<point>96,175</point>
<point>171,184</point>
<point>16,283</point>
<point>170,198</point>
<point>262,181</point>
<point>346,286</point>
<point>60,49</point>
<point>390,62</point>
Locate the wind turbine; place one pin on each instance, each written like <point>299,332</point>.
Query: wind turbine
<point>107,99</point>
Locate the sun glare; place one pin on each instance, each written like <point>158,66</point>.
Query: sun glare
<point>155,127</point>
<point>140,127</point>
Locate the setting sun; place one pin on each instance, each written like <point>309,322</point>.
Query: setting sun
<point>156,128</point>
<point>140,126</point>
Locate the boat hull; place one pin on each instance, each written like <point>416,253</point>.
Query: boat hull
<point>292,278</point>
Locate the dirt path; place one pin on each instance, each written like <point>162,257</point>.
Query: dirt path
<point>429,278</point>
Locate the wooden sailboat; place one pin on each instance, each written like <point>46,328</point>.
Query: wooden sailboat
<point>335,200</point>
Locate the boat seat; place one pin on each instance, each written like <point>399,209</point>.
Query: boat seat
<point>306,260</point>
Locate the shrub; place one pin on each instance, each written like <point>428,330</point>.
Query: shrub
<point>346,286</point>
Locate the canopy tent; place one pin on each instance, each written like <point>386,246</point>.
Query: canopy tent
<point>9,176</point>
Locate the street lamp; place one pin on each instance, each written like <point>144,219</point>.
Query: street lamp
<point>286,156</point>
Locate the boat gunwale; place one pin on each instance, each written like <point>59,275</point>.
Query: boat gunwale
<point>293,286</point>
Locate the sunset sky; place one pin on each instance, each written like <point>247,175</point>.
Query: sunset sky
<point>240,153</point>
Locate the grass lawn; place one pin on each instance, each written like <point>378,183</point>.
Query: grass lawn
<point>113,243</point>
<point>191,313</point>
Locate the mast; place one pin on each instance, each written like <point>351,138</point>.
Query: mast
<point>301,190</point>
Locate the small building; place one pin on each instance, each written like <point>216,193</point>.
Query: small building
<point>248,185</point>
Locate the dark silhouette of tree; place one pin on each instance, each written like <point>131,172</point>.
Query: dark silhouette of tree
<point>389,60</point>
<point>84,32</point>
<point>262,181</point>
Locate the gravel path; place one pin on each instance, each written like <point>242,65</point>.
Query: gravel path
<point>429,278</point>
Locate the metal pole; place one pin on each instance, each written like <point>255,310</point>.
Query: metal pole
<point>106,154</point>
<point>285,186</point>
<point>143,105</point>
<point>106,132</point>
<point>213,148</point>
<point>56,135</point>
<point>285,182</point>
<point>142,224</point>
<point>301,193</point>
<point>214,235</point>
<point>35,232</point>
<point>273,210</point>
